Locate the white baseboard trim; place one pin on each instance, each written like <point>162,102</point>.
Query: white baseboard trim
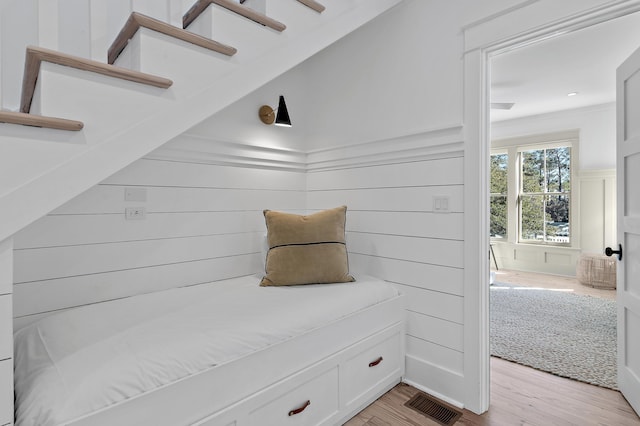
<point>435,381</point>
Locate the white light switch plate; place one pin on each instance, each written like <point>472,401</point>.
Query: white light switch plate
<point>441,204</point>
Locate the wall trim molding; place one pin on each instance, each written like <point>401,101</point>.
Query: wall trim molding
<point>497,37</point>
<point>442,142</point>
<point>197,149</point>
<point>429,372</point>
<point>445,142</point>
<point>597,174</point>
<point>498,14</point>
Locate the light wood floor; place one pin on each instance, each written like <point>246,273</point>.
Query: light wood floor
<point>532,279</point>
<point>520,395</point>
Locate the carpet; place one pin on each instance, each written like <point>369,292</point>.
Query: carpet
<point>565,334</point>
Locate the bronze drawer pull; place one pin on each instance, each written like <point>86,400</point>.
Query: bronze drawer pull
<point>376,362</point>
<point>299,410</point>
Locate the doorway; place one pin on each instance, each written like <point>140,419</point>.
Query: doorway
<point>491,41</point>
<point>553,130</point>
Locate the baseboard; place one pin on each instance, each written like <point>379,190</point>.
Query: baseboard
<point>436,381</point>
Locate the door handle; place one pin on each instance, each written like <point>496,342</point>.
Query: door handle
<point>609,251</point>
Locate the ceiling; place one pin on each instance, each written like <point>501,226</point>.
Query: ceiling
<point>537,78</point>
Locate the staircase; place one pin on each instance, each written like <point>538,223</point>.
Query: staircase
<point>82,120</point>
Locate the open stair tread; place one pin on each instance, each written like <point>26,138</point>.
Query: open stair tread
<point>201,5</point>
<point>40,121</point>
<point>313,5</point>
<point>36,55</point>
<point>137,20</point>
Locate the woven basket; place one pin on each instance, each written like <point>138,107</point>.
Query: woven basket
<point>597,271</point>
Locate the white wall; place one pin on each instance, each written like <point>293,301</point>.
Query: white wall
<point>402,76</point>
<point>203,223</point>
<point>391,93</point>
<point>596,125</point>
<point>380,114</point>
<point>399,75</point>
<point>239,123</point>
<point>394,232</point>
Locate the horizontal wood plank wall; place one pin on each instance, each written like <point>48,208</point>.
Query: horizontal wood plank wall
<point>203,223</point>
<point>394,233</point>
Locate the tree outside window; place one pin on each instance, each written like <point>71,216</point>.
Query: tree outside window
<point>498,196</point>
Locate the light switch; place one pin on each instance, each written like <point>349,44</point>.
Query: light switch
<point>441,204</point>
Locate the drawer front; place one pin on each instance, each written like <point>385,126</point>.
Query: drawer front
<point>371,365</point>
<point>6,327</point>
<point>6,392</point>
<point>308,404</point>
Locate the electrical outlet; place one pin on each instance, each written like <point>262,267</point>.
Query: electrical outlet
<point>441,204</point>
<point>135,213</point>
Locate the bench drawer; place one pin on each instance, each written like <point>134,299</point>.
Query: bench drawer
<point>311,403</point>
<point>371,365</point>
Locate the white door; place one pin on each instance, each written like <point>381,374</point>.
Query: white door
<point>628,181</point>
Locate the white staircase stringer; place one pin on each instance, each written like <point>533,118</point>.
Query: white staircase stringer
<point>89,165</point>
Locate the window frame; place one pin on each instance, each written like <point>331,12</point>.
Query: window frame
<point>513,147</point>
<point>545,193</point>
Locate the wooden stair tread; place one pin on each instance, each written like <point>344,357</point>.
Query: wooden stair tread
<point>245,11</point>
<point>40,121</point>
<point>313,5</point>
<point>137,20</point>
<point>35,56</point>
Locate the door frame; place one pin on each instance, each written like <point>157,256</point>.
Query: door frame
<point>535,20</point>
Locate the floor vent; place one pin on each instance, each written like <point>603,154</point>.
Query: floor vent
<point>434,409</point>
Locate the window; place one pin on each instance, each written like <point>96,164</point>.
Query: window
<point>498,200</point>
<point>531,183</point>
<point>545,193</point>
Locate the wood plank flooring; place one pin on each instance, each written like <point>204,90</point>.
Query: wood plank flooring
<point>557,282</point>
<point>520,395</point>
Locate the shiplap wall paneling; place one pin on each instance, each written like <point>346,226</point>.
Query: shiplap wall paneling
<point>394,233</point>
<point>76,260</point>
<point>401,199</point>
<point>597,210</point>
<point>203,223</point>
<point>415,224</point>
<point>426,250</point>
<point>6,332</point>
<point>67,292</point>
<point>439,278</point>
<point>6,303</point>
<point>185,174</point>
<point>6,266</point>
<point>108,198</point>
<point>78,229</point>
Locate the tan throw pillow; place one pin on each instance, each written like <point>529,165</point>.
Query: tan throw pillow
<point>306,249</point>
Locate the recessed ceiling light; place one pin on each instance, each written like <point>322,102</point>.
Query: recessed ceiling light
<point>572,94</point>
